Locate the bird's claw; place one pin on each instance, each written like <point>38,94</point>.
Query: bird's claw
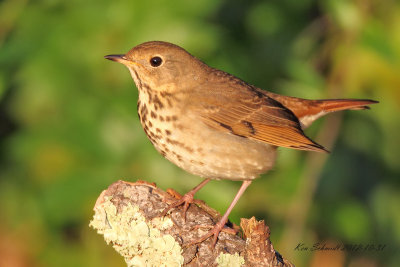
<point>216,229</point>
<point>186,200</point>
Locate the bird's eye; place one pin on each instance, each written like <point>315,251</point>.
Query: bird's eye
<point>155,61</point>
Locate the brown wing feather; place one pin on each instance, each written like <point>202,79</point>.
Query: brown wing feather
<point>256,116</point>
<point>286,137</point>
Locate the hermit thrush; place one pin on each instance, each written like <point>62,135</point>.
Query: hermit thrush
<point>215,125</point>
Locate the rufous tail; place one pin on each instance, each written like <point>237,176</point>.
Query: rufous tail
<point>308,111</point>
<point>312,107</point>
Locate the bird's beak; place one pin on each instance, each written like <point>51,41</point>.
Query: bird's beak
<point>119,58</point>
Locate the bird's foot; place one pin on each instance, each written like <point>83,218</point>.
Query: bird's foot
<point>225,229</point>
<point>184,200</point>
<point>216,229</point>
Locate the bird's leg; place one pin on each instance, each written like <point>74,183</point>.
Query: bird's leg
<point>186,199</point>
<point>220,225</point>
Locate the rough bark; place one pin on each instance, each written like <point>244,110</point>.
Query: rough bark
<point>127,215</point>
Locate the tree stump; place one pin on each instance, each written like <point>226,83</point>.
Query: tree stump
<point>127,215</point>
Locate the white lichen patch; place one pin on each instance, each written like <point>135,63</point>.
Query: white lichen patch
<point>229,260</point>
<point>162,223</point>
<point>139,241</point>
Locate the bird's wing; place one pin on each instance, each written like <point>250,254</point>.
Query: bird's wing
<point>249,113</point>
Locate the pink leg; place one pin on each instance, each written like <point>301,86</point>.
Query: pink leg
<point>220,225</point>
<point>186,199</point>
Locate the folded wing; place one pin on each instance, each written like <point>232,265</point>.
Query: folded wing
<point>253,115</point>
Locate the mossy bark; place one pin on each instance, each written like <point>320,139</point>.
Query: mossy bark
<point>127,215</point>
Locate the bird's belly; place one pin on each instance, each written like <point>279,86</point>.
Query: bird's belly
<point>209,153</point>
<point>225,156</point>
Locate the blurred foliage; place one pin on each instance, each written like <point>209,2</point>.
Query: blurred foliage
<point>68,123</point>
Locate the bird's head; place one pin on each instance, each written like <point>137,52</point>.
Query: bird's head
<point>161,66</point>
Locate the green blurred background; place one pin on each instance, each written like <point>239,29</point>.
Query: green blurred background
<point>69,128</point>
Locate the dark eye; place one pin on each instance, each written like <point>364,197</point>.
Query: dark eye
<point>155,61</point>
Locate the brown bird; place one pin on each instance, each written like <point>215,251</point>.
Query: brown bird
<point>214,125</point>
